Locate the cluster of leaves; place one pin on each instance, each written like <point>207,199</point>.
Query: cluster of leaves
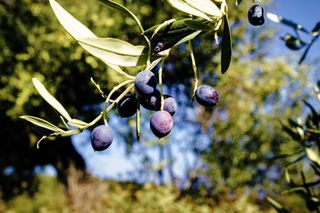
<point>307,155</point>
<point>207,17</point>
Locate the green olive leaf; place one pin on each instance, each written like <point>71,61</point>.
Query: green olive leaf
<point>313,156</point>
<point>77,123</point>
<point>115,51</point>
<point>41,123</point>
<point>205,6</point>
<point>75,28</point>
<point>226,46</point>
<point>278,19</point>
<point>275,204</point>
<point>66,133</point>
<point>123,10</point>
<point>153,64</point>
<point>186,8</point>
<point>175,28</point>
<point>50,99</point>
<point>198,24</point>
<point>188,37</point>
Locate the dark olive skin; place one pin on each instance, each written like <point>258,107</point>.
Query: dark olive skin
<point>161,123</point>
<point>207,96</point>
<point>256,15</point>
<point>127,106</point>
<point>145,83</point>
<point>311,205</point>
<point>101,137</point>
<point>157,44</point>
<point>152,102</point>
<point>170,105</point>
<point>292,42</point>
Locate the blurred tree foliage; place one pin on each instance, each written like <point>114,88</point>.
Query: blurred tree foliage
<point>244,128</point>
<point>91,195</point>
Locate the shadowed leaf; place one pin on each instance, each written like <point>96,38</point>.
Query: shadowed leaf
<point>226,48</point>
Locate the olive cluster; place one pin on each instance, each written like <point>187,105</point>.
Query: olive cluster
<point>161,122</point>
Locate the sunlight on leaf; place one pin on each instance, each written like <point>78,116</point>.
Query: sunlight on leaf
<point>184,7</point>
<point>50,99</point>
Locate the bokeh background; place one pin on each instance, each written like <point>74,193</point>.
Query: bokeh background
<point>215,160</point>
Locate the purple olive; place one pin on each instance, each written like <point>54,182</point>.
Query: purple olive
<point>127,106</point>
<point>256,15</point>
<point>170,104</point>
<point>293,42</point>
<point>145,83</point>
<point>152,102</point>
<point>101,137</point>
<point>157,44</point>
<point>161,123</point>
<point>207,96</point>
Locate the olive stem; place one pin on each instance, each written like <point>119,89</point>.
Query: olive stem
<point>161,83</point>
<point>149,51</point>
<point>109,96</point>
<point>194,67</point>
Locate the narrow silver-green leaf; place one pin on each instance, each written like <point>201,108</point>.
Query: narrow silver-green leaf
<point>50,99</point>
<point>226,47</point>
<point>114,45</point>
<point>123,10</point>
<point>77,123</point>
<point>188,38</point>
<point>278,19</point>
<point>153,64</point>
<point>41,123</point>
<point>287,176</point>
<point>205,6</point>
<point>177,27</point>
<point>294,189</point>
<point>66,133</point>
<point>275,204</point>
<point>75,28</point>
<point>115,51</point>
<point>313,156</point>
<point>186,8</point>
<point>162,26</point>
<point>198,25</point>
